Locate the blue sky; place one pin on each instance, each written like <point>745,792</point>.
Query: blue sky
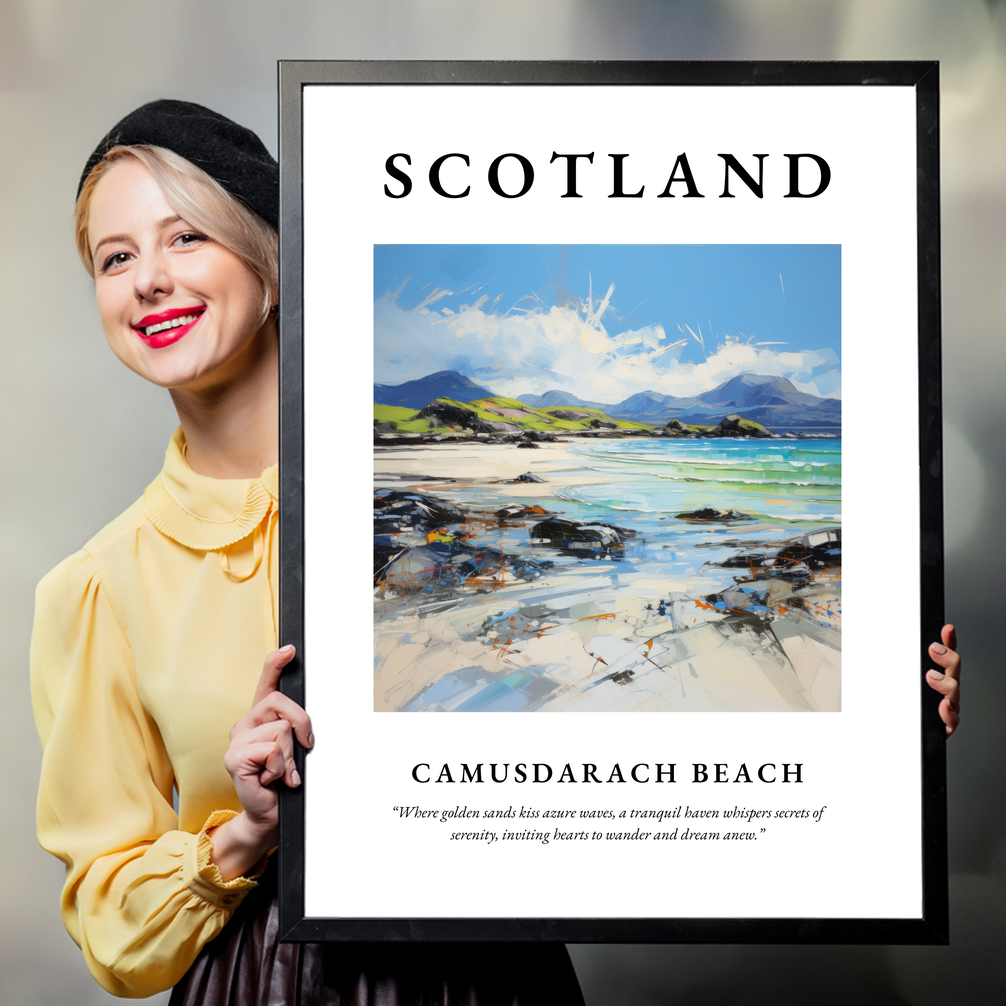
<point>605,321</point>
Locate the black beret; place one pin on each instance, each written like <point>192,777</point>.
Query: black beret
<point>230,154</point>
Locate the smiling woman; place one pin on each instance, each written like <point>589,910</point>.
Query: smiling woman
<point>154,665</point>
<point>157,279</point>
<point>202,202</point>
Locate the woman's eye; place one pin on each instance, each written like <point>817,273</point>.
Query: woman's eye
<point>114,261</point>
<point>190,238</point>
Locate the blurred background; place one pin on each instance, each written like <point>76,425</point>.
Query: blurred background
<point>83,437</point>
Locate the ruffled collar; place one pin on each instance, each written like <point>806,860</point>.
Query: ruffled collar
<point>203,513</point>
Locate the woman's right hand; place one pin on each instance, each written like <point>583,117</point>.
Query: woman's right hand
<point>259,754</point>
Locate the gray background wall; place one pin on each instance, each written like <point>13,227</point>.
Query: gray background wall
<point>81,437</point>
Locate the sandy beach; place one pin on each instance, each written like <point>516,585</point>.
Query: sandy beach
<point>644,628</point>
<point>485,466</point>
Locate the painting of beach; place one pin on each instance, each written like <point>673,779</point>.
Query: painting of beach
<point>607,478</point>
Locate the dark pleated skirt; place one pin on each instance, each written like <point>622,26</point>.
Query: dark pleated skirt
<point>246,965</point>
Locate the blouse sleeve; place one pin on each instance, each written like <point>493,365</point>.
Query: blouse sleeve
<point>141,898</point>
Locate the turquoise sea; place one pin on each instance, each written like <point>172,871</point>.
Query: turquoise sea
<point>792,480</point>
<point>787,488</point>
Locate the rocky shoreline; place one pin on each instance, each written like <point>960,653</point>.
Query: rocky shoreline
<point>481,431</point>
<point>463,625</point>
<point>422,542</point>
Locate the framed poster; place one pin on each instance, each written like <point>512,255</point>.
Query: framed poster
<point>618,351</point>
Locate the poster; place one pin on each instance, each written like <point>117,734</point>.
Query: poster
<point>624,353</point>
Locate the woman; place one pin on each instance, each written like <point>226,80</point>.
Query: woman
<point>149,642</point>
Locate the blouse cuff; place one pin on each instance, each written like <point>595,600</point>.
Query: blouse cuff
<point>202,876</point>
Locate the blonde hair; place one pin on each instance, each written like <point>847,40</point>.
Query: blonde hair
<point>199,200</point>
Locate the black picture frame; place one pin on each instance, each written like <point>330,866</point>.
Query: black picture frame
<point>931,926</point>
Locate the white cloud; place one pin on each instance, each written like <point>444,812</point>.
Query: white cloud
<point>536,349</point>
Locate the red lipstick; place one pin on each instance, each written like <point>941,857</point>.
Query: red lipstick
<point>166,327</point>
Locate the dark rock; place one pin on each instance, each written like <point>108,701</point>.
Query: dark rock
<point>570,414</point>
<point>816,550</point>
<point>676,428</point>
<point>399,511</point>
<point>797,559</point>
<point>742,560</point>
<point>735,426</point>
<point>602,424</point>
<point>446,562</point>
<point>447,414</point>
<point>527,444</point>
<point>571,535</point>
<point>711,513</point>
<point>539,436</point>
<point>514,511</point>
<point>528,477</point>
<point>622,532</point>
<point>385,551</point>
<point>479,562</point>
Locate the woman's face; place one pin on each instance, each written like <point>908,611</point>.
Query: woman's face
<point>177,308</point>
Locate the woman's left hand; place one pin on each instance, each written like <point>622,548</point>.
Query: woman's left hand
<point>947,682</point>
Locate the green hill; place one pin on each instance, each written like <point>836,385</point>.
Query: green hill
<point>406,420</point>
<point>510,410</point>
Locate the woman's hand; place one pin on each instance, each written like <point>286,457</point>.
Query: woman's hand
<point>947,682</point>
<point>260,753</point>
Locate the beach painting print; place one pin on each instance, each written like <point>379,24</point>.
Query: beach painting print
<point>607,478</point>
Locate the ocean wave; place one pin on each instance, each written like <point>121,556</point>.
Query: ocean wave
<point>721,473</point>
<point>709,461</point>
<point>662,478</point>
<point>690,447</point>
<point>767,479</point>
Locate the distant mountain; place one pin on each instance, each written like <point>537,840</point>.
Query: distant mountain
<point>771,401</point>
<point>645,406</point>
<point>752,390</point>
<point>419,393</point>
<point>555,399</point>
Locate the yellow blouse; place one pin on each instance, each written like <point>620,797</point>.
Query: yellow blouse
<point>147,647</point>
